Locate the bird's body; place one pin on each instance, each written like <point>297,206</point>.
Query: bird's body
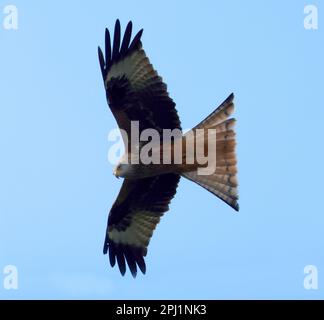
<point>152,170</point>
<point>128,168</point>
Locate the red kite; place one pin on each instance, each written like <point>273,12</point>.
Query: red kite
<point>135,92</point>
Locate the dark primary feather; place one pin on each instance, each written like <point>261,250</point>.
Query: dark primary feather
<point>112,255</point>
<point>102,63</point>
<point>121,261</point>
<point>127,37</point>
<point>116,41</point>
<point>131,261</point>
<point>107,48</point>
<point>136,40</point>
<point>139,260</point>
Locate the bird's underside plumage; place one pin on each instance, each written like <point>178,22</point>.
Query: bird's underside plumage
<point>135,92</point>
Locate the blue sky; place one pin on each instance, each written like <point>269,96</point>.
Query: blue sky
<point>56,185</point>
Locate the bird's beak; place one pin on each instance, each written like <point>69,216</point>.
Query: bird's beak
<point>115,172</point>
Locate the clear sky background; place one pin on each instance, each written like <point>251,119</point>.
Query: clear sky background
<point>56,184</point>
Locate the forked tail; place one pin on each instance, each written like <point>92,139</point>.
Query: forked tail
<point>222,181</point>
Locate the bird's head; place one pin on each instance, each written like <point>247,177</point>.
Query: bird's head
<point>117,170</point>
<point>120,170</point>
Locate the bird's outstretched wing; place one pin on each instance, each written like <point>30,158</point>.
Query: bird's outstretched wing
<point>134,90</point>
<point>133,218</point>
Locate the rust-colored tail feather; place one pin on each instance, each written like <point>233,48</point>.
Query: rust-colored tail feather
<point>223,182</point>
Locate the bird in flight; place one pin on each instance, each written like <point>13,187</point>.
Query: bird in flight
<point>136,93</point>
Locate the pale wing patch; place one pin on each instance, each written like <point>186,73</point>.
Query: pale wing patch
<point>139,232</point>
<point>125,67</point>
<point>136,67</point>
